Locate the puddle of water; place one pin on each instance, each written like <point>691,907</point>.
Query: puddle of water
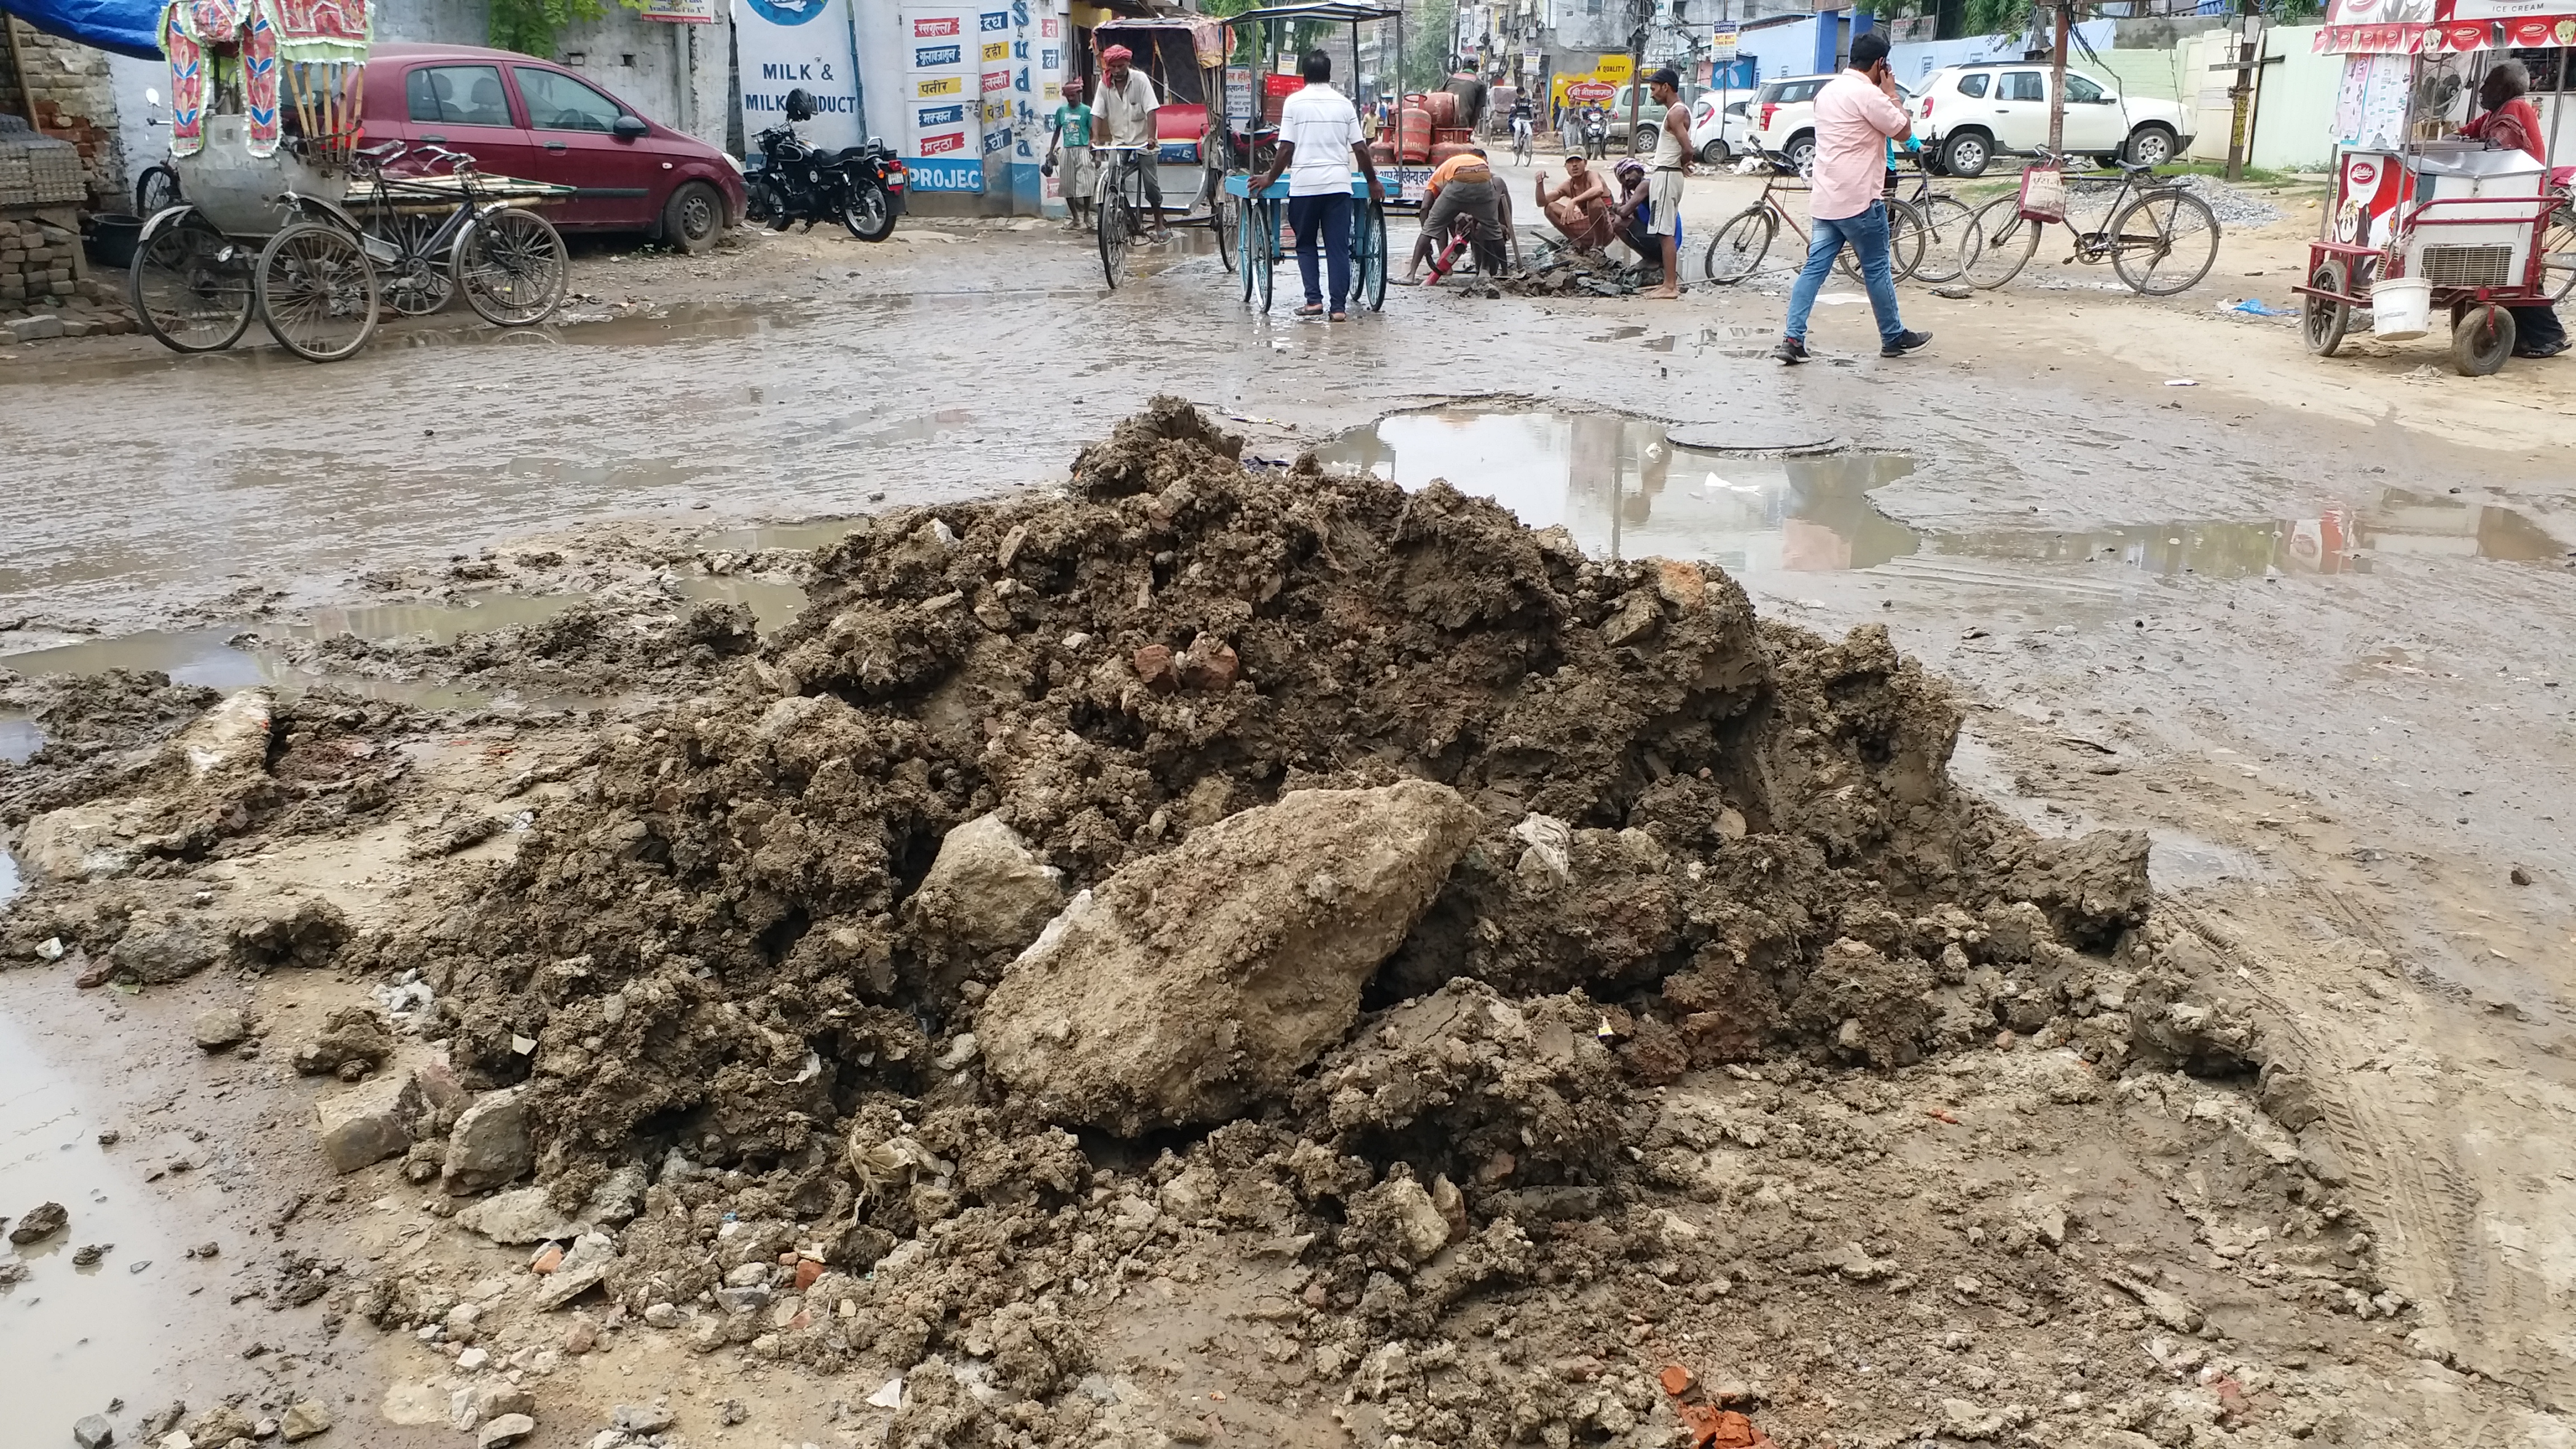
<point>1618,334</point>
<point>74,1338</point>
<point>1628,489</point>
<point>2176,861</point>
<point>1625,490</point>
<point>19,738</point>
<point>2339,539</point>
<point>774,605</point>
<point>208,656</point>
<point>811,533</point>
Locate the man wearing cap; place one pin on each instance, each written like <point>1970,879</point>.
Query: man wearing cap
<point>1124,116</point>
<point>1071,146</point>
<point>1664,177</point>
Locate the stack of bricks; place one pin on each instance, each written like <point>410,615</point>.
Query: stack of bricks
<point>42,290</point>
<point>74,100</point>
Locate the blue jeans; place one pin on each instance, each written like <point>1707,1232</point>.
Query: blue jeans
<point>1328,219</point>
<point>1867,235</point>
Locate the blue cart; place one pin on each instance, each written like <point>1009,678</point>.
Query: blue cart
<point>1249,228</point>
<point>1260,243</point>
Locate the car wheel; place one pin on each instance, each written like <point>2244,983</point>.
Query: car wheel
<point>693,218</point>
<point>1713,154</point>
<point>1802,153</point>
<point>1966,153</point>
<point>1640,141</point>
<point>2151,146</point>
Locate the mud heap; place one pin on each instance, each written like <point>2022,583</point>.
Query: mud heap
<point>1284,854</point>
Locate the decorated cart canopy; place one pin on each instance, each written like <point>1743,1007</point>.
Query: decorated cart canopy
<point>303,60</point>
<point>2443,27</point>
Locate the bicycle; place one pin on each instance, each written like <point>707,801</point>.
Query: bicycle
<point>508,261</point>
<point>1122,208</point>
<point>1736,252</point>
<point>1948,227</point>
<point>2152,221</point>
<point>1522,141</point>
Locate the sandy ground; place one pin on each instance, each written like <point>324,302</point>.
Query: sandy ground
<point>2346,771</point>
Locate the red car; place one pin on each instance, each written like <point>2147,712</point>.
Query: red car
<point>520,116</point>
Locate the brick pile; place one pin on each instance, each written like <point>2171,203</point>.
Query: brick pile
<point>42,293</point>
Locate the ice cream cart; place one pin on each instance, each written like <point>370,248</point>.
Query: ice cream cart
<point>2424,222</point>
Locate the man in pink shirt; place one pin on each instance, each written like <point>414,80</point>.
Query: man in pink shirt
<point>1857,114</point>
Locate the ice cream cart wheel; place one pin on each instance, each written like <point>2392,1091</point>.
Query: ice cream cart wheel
<point>2324,322</point>
<point>1225,215</point>
<point>2482,340</point>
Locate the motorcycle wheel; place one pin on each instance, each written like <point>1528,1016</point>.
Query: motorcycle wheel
<point>867,214</point>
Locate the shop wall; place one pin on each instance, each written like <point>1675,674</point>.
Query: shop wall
<point>1779,50</point>
<point>75,101</point>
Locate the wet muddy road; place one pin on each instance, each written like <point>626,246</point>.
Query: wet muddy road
<point>2308,623</point>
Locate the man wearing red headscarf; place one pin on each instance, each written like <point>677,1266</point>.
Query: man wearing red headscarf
<point>1125,109</point>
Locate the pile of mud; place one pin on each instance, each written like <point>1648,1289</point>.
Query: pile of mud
<point>1268,853</point>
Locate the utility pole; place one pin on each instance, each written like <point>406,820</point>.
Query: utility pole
<point>2248,65</point>
<point>2057,78</point>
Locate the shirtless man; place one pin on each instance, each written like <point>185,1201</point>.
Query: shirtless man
<point>1580,208</point>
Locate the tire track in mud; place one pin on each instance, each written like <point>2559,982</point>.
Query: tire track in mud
<point>2403,1159</point>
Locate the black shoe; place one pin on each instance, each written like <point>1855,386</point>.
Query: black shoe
<point>1905,344</point>
<point>2552,350</point>
<point>1790,350</point>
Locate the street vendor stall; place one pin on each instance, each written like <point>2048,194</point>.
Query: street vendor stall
<point>2425,220</point>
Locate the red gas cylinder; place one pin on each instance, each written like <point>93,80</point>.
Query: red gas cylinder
<point>1413,134</point>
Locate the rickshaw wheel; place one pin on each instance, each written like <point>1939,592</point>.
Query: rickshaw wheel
<point>317,291</point>
<point>1247,235</point>
<point>2482,340</point>
<point>191,287</point>
<point>1229,226</point>
<point>1265,253</point>
<point>2324,322</point>
<point>1372,227</point>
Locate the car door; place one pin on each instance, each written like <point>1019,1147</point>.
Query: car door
<point>464,107</point>
<point>2094,125</point>
<point>2020,107</point>
<point>575,130</point>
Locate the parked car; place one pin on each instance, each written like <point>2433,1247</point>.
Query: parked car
<point>1965,114</point>
<point>1721,124</point>
<point>1648,117</point>
<point>520,116</point>
<point>1784,117</point>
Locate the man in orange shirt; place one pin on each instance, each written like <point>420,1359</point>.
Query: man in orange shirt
<point>1462,191</point>
<point>1857,114</point>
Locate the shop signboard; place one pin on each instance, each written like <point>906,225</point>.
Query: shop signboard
<point>787,45</point>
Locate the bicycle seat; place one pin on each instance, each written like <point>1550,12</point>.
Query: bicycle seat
<point>2134,168</point>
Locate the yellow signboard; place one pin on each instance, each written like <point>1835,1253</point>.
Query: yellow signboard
<point>997,50</point>
<point>938,85</point>
<point>1614,68</point>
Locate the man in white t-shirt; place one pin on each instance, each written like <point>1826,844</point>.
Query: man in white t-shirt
<point>1318,129</point>
<point>1124,116</point>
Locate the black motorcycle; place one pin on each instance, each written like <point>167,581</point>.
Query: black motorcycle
<point>861,186</point>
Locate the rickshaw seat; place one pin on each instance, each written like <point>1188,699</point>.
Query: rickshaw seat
<point>1178,130</point>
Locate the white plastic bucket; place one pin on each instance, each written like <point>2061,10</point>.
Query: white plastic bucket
<point>2401,307</point>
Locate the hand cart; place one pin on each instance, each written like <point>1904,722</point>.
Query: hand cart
<point>2423,222</point>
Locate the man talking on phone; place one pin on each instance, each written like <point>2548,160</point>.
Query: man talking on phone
<point>1857,114</point>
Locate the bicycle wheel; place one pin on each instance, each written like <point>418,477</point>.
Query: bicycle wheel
<point>414,283</point>
<point>1225,214</point>
<point>1370,254</point>
<point>2004,243</point>
<point>317,291</point>
<point>1736,252</point>
<point>1947,228</point>
<point>2558,253</point>
<point>190,286</point>
<point>2164,242</point>
<point>1904,242</point>
<point>1114,234</point>
<point>511,267</point>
